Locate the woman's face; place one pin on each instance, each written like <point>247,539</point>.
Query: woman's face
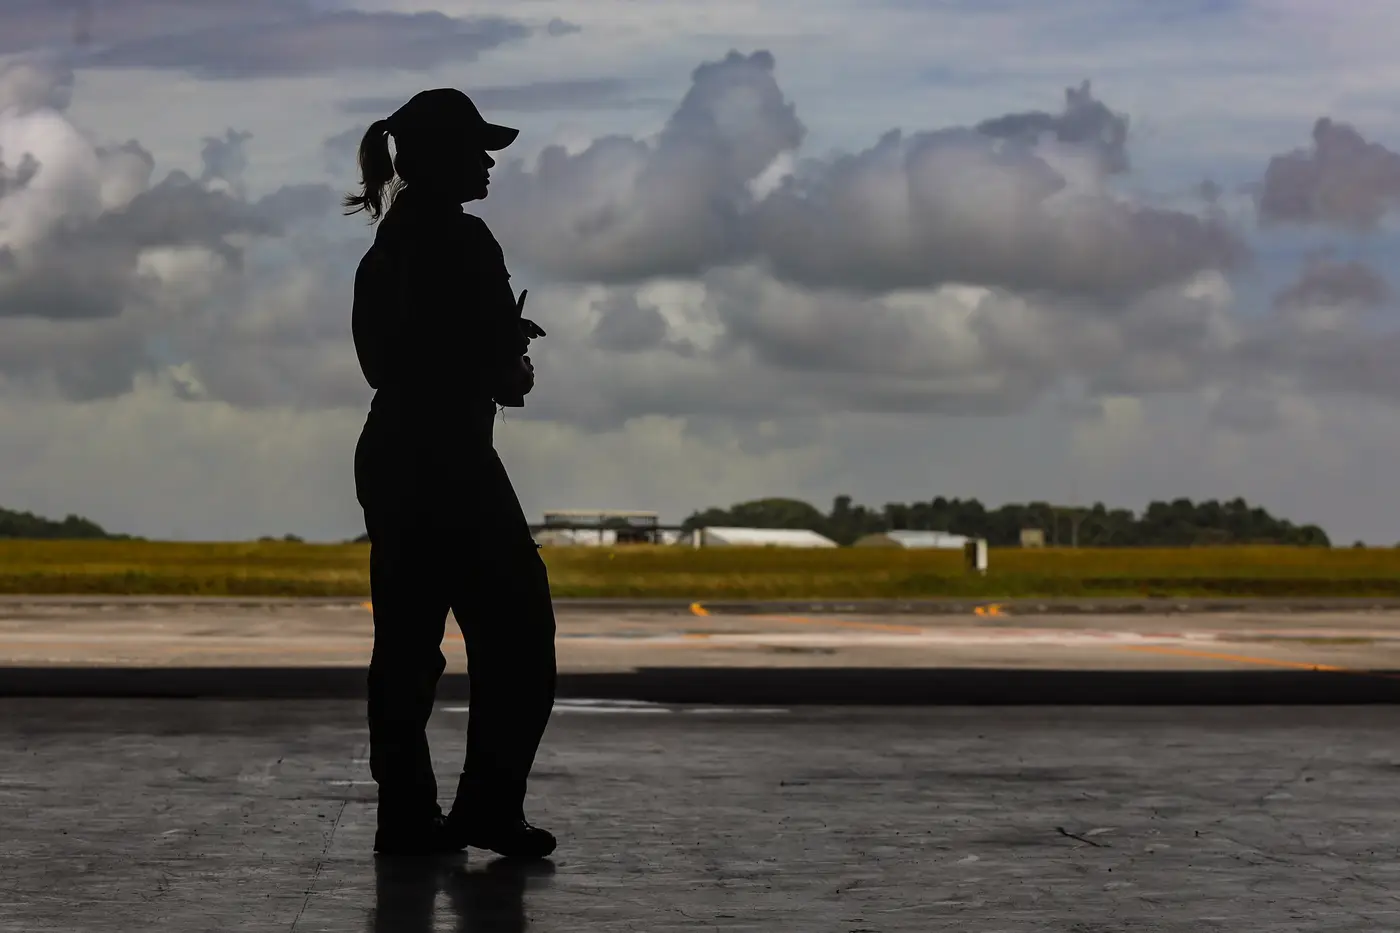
<point>470,167</point>
<point>461,168</point>
<point>479,174</point>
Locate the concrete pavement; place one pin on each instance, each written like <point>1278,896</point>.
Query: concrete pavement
<point>992,653</point>
<point>258,816</point>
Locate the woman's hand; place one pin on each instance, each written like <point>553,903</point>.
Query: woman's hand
<point>529,328</point>
<point>514,383</point>
<point>525,375</point>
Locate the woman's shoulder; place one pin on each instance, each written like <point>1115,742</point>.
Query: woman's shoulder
<point>476,226</point>
<point>480,235</point>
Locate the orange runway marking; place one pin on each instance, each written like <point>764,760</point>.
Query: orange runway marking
<point>1264,662</point>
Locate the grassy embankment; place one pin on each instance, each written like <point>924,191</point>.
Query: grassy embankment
<point>294,569</point>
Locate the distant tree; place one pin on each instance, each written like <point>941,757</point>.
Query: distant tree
<point>760,513</point>
<point>72,527</point>
<point>1178,523</point>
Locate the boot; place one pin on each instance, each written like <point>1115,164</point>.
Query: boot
<point>416,837</point>
<point>512,838</point>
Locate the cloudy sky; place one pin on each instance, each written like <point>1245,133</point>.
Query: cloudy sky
<point>1111,250</point>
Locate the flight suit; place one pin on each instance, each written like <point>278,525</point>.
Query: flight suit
<point>435,325</point>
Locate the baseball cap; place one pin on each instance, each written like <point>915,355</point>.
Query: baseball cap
<point>446,111</point>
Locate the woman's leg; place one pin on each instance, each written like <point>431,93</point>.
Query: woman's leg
<point>506,614</point>
<point>508,627</point>
<point>410,604</point>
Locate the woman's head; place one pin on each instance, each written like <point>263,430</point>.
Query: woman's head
<point>442,144</point>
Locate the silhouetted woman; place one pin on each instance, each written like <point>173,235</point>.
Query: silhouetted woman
<point>441,340</point>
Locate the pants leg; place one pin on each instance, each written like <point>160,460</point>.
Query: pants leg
<point>410,603</point>
<point>507,619</point>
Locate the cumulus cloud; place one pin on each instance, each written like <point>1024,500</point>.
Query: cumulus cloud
<point>627,326</point>
<point>1085,122</point>
<point>251,38</point>
<point>1339,358</point>
<point>1343,181</point>
<point>96,260</point>
<point>1020,202</point>
<point>740,345</point>
<point>562,27</point>
<point>961,270</point>
<point>1327,284</point>
<point>953,206</point>
<point>40,83</point>
<point>626,208</point>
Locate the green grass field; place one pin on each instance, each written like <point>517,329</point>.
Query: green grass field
<point>294,569</point>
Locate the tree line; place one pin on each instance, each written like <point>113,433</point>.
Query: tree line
<point>1178,523</point>
<point>28,525</point>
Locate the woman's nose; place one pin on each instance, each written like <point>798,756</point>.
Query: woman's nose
<point>487,161</point>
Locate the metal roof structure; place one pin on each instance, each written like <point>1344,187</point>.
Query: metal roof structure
<point>927,539</point>
<point>779,537</point>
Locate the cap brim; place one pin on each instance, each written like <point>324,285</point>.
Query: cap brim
<point>495,137</point>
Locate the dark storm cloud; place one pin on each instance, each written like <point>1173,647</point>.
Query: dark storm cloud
<point>1340,360</point>
<point>1342,181</point>
<point>987,206</point>
<point>625,326</point>
<point>250,38</point>
<point>1084,122</point>
<point>87,270</point>
<point>533,97</point>
<point>225,157</point>
<point>16,177</point>
<point>26,25</point>
<point>1325,283</point>
<point>319,43</point>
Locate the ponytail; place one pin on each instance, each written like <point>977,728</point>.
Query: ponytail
<point>378,181</point>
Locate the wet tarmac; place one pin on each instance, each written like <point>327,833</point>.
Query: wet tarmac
<point>216,815</point>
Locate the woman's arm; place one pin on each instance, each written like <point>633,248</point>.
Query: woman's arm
<point>461,325</point>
